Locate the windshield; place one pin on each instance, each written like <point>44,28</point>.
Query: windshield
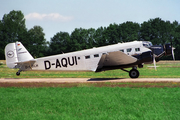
<point>147,44</point>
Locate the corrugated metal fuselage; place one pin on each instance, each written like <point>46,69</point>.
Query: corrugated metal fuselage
<point>91,59</point>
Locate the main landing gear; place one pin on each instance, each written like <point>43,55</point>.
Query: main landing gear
<point>133,73</point>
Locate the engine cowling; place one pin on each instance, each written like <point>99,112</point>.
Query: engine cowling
<point>168,49</point>
<point>145,57</point>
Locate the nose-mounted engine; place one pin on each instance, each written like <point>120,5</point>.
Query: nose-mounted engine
<point>160,50</point>
<point>168,49</point>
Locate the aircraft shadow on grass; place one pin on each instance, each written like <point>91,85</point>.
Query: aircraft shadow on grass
<point>104,79</point>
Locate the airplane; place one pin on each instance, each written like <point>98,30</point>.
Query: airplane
<point>118,56</point>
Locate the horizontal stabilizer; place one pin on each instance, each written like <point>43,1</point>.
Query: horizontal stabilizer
<point>29,61</point>
<point>25,65</point>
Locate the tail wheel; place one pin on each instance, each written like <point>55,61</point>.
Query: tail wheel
<point>18,73</point>
<point>134,73</point>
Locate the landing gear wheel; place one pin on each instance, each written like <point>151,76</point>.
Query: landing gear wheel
<point>134,73</point>
<point>18,73</point>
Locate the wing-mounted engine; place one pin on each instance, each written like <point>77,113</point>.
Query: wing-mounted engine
<point>145,57</point>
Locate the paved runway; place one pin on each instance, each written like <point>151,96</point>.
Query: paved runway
<point>75,80</point>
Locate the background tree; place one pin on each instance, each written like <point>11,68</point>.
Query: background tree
<point>60,43</point>
<point>36,43</point>
<point>79,39</point>
<point>100,37</point>
<point>129,31</point>
<point>2,43</point>
<point>12,29</point>
<point>157,31</point>
<point>112,34</point>
<point>145,31</point>
<point>90,40</point>
<point>176,41</point>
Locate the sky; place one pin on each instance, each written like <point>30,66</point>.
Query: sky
<point>65,15</point>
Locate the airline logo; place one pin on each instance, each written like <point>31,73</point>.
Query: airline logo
<point>10,54</point>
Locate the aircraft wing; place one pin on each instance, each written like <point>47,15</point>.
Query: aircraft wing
<point>115,58</point>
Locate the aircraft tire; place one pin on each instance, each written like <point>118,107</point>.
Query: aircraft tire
<point>134,73</point>
<point>18,73</point>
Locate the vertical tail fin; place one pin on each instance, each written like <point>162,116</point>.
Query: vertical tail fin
<point>16,52</point>
<point>11,55</point>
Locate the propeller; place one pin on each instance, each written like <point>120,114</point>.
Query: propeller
<point>173,53</point>
<point>154,61</point>
<point>172,48</point>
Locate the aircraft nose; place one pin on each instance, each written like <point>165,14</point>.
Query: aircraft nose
<point>159,50</point>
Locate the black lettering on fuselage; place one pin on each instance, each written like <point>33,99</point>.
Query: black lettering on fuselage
<point>47,64</point>
<point>75,60</point>
<point>71,64</point>
<point>64,62</point>
<point>58,63</point>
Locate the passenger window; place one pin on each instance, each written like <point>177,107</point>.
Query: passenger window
<point>121,50</point>
<point>137,49</point>
<point>129,49</point>
<point>96,55</point>
<point>87,57</point>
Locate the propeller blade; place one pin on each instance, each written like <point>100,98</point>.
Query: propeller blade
<point>172,48</point>
<point>173,53</point>
<point>154,61</point>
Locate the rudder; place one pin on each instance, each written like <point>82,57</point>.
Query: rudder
<point>16,52</point>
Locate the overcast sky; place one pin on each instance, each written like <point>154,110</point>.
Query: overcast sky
<point>66,15</point>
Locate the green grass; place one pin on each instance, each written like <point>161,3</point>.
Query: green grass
<point>165,70</point>
<point>124,101</point>
<point>89,103</point>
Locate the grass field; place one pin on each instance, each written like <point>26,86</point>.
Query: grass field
<point>166,69</point>
<point>87,101</point>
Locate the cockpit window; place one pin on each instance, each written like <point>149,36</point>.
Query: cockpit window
<point>147,44</point>
<point>150,44</point>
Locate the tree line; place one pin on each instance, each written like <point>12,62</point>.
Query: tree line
<point>13,28</point>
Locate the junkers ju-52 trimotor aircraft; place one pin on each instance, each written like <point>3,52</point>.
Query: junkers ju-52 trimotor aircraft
<point>118,56</point>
